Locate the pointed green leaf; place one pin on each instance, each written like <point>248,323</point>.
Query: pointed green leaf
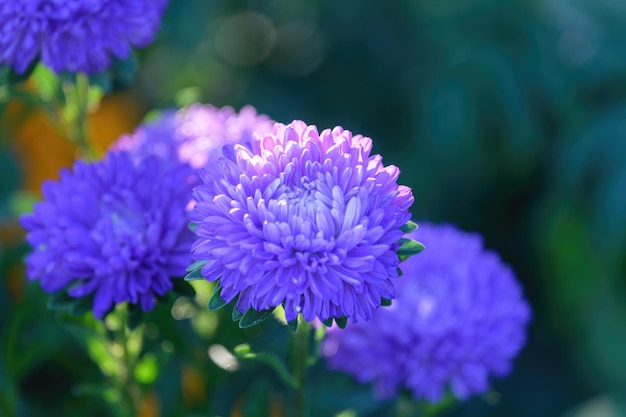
<point>194,275</point>
<point>216,302</point>
<point>293,325</point>
<point>253,317</point>
<point>409,247</point>
<point>237,315</point>
<point>409,227</point>
<point>385,302</point>
<point>192,226</point>
<point>82,306</point>
<point>328,322</point>
<point>400,273</point>
<point>60,299</point>
<point>197,265</point>
<point>341,322</point>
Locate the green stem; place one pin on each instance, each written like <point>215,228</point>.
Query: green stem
<point>300,364</point>
<point>5,406</point>
<point>126,384</point>
<point>81,90</point>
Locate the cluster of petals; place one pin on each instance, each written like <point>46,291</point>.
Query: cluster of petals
<point>459,318</point>
<point>75,35</point>
<point>197,135</point>
<point>308,220</point>
<point>115,230</point>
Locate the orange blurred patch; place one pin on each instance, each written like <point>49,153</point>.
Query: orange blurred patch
<point>42,151</point>
<point>150,406</point>
<point>193,386</point>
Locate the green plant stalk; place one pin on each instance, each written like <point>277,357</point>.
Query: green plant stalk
<point>81,91</point>
<point>126,385</point>
<point>300,365</point>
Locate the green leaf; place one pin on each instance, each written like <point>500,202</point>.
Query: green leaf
<point>182,287</point>
<point>192,226</point>
<point>196,265</point>
<point>253,317</point>
<point>409,227</point>
<point>341,322</point>
<point>60,299</point>
<point>216,302</point>
<point>237,315</point>
<point>400,273</point>
<point>194,275</point>
<point>328,322</point>
<point>293,325</point>
<point>81,306</point>
<point>409,247</point>
<point>385,302</point>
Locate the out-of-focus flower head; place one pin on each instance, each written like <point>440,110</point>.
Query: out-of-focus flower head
<point>115,230</point>
<point>308,220</point>
<point>459,318</point>
<point>75,35</point>
<point>198,135</point>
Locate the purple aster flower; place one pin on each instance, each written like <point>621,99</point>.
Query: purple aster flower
<point>308,220</point>
<point>114,229</point>
<point>75,35</point>
<point>459,318</point>
<point>197,135</point>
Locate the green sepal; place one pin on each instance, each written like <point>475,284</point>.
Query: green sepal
<point>182,287</point>
<point>253,317</point>
<point>409,227</point>
<point>192,226</point>
<point>237,315</point>
<point>341,321</point>
<point>385,302</point>
<point>60,300</point>
<point>216,302</point>
<point>196,265</point>
<point>194,275</point>
<point>409,247</point>
<point>293,325</point>
<point>328,322</point>
<point>400,273</point>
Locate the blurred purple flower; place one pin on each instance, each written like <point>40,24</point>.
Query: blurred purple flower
<point>459,318</point>
<point>198,134</point>
<point>75,35</point>
<point>114,229</point>
<point>311,221</point>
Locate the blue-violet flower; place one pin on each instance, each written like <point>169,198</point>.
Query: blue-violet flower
<point>308,220</point>
<point>75,35</point>
<point>115,230</point>
<point>459,318</point>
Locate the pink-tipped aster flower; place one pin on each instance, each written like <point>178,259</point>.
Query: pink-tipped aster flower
<point>197,135</point>
<point>459,318</point>
<point>75,35</point>
<point>308,220</point>
<point>114,230</point>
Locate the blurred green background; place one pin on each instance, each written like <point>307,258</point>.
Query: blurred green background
<point>505,117</point>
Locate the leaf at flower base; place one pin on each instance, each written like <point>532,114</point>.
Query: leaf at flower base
<point>60,300</point>
<point>293,325</point>
<point>253,317</point>
<point>194,275</point>
<point>216,302</point>
<point>400,273</point>
<point>341,321</point>
<point>409,227</point>
<point>237,315</point>
<point>385,302</point>
<point>409,247</point>
<point>182,287</point>
<point>328,322</point>
<point>192,226</point>
<point>196,265</point>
